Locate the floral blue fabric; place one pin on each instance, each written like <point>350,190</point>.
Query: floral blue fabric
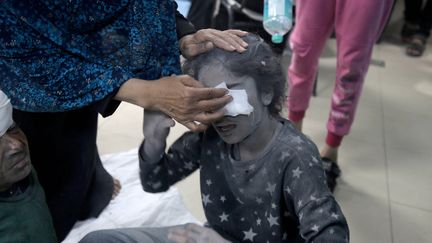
<point>58,55</point>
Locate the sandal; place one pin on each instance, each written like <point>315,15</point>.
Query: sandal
<point>408,31</point>
<point>332,172</point>
<point>416,46</point>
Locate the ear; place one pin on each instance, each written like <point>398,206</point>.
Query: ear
<point>267,97</point>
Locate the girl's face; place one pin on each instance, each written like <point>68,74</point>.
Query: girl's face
<point>234,129</point>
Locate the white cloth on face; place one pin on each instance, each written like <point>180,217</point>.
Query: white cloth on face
<point>5,113</point>
<point>239,105</point>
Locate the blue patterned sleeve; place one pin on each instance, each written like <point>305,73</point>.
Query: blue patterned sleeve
<point>62,55</point>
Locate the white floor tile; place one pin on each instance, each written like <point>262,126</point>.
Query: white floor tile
<point>410,177</point>
<point>368,216</point>
<point>411,225</point>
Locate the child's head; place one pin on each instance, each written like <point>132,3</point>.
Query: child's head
<point>257,71</point>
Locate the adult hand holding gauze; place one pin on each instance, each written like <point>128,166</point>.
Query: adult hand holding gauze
<point>5,113</point>
<point>239,105</point>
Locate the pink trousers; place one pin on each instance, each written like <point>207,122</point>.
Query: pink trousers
<point>357,24</point>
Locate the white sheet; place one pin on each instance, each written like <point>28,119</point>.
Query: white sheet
<point>133,207</point>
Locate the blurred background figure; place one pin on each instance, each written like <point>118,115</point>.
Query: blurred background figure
<point>357,25</point>
<point>417,26</point>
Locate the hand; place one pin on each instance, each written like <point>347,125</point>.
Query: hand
<point>193,233</point>
<point>205,39</point>
<point>180,97</point>
<point>156,129</point>
<point>188,101</point>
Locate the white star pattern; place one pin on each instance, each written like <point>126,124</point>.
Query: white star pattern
<point>271,188</point>
<point>333,215</point>
<point>300,203</point>
<point>258,221</point>
<point>297,139</point>
<point>315,160</point>
<point>223,199</point>
<point>315,228</point>
<point>273,206</point>
<point>284,155</point>
<point>249,235</point>
<point>272,220</point>
<point>299,148</point>
<point>208,182</point>
<point>206,199</point>
<point>321,211</point>
<point>331,231</point>
<point>287,189</point>
<point>297,172</point>
<point>259,200</point>
<point>217,167</point>
<point>223,217</point>
<point>188,165</point>
<point>312,198</point>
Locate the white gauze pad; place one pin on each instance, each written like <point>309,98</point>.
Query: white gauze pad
<point>239,105</point>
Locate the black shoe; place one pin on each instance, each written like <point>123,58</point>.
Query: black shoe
<point>332,172</point>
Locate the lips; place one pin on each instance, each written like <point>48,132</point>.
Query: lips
<point>226,128</point>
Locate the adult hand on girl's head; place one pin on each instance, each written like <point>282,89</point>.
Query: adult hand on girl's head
<point>205,39</point>
<point>193,233</point>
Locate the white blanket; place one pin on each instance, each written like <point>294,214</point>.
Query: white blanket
<point>133,207</point>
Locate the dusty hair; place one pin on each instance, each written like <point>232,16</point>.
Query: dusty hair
<point>258,62</point>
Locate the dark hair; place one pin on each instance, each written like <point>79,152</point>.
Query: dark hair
<point>258,62</point>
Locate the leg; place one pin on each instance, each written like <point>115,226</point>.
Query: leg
<point>354,54</point>
<point>425,22</point>
<point>411,17</point>
<point>412,10</point>
<point>314,22</point>
<point>129,235</point>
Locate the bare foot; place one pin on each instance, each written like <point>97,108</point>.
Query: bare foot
<point>117,188</point>
<point>329,152</point>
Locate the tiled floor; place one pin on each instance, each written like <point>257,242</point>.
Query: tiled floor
<point>386,187</point>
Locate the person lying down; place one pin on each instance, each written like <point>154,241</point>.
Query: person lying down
<point>261,179</point>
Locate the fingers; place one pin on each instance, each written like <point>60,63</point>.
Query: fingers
<point>222,39</point>
<point>194,127</point>
<point>178,235</point>
<point>209,93</point>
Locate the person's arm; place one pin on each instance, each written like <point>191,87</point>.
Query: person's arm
<point>158,170</point>
<point>180,97</point>
<point>320,217</point>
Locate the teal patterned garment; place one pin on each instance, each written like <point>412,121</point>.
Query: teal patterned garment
<point>58,55</point>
